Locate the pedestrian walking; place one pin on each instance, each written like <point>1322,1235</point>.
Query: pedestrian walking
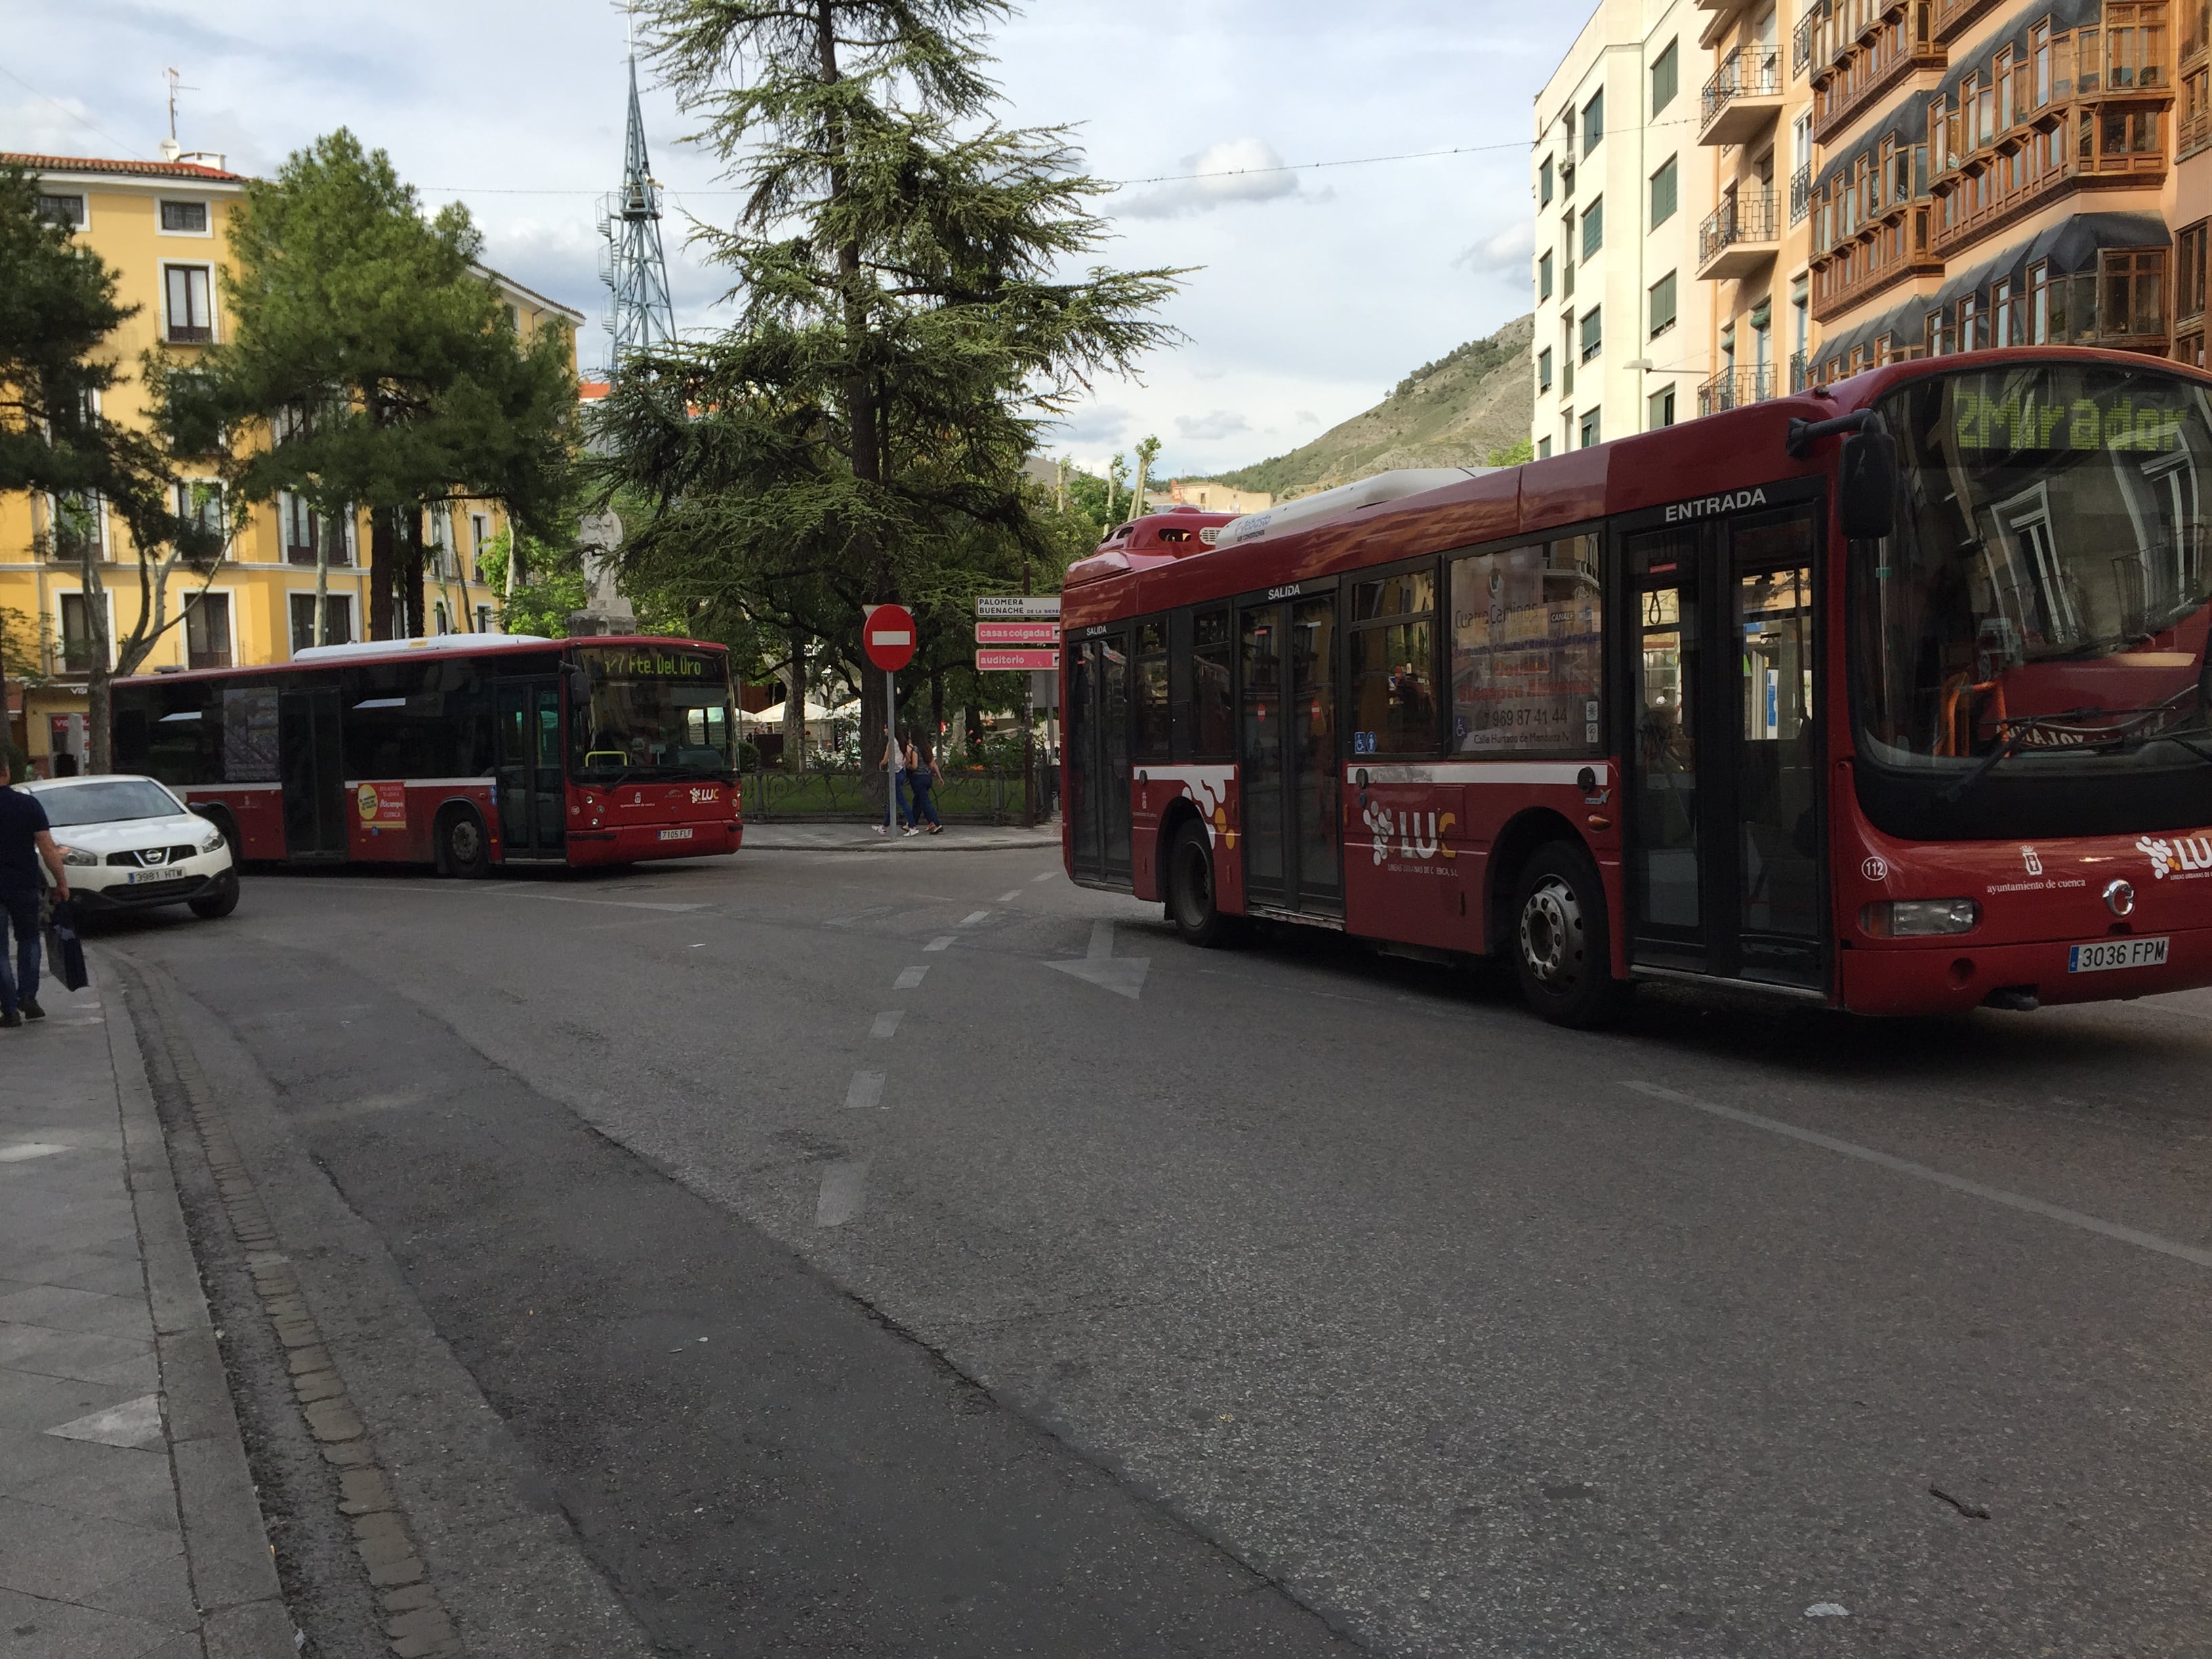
<point>894,807</point>
<point>25,839</point>
<point>921,775</point>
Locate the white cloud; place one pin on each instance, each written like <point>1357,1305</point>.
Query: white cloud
<point>1208,428</point>
<point>1097,423</point>
<point>1506,252</point>
<point>1235,170</point>
<point>1307,418</point>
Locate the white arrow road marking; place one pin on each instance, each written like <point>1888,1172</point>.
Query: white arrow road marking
<point>867,1090</point>
<point>887,1023</point>
<point>135,1424</point>
<point>1122,976</point>
<point>908,978</point>
<point>844,1192</point>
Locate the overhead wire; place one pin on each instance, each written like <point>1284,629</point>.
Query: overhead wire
<point>72,114</point>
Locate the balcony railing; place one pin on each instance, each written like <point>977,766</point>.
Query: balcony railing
<point>1732,388</point>
<point>1801,37</point>
<point>1801,374</point>
<point>1899,39</point>
<point>1979,203</point>
<point>1746,216</point>
<point>1800,193</point>
<point>1752,73</point>
<point>208,656</point>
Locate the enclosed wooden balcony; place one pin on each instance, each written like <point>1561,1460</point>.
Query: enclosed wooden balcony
<point>1895,249</point>
<point>1739,237</point>
<point>1862,51</point>
<point>1743,98</point>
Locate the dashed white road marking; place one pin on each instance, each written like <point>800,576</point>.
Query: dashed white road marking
<point>975,917</point>
<point>1050,875</point>
<point>23,1151</point>
<point>942,942</point>
<point>908,978</point>
<point>887,1023</point>
<point>1008,898</point>
<point>2020,1202</point>
<point>844,1192</point>
<point>865,1091</point>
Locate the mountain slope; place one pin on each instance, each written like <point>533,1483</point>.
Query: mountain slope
<point>1453,412</point>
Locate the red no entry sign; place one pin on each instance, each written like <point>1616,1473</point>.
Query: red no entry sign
<point>887,634</point>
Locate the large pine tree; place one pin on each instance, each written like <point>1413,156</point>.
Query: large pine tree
<point>906,319</point>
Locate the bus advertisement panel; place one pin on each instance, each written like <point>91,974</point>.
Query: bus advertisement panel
<point>461,751</point>
<point>1894,694</point>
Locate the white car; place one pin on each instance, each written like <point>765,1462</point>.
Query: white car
<point>129,844</point>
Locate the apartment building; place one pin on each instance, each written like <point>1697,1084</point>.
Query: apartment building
<point>1755,116</point>
<point>1997,173</point>
<point>161,227</point>
<point>1624,326</point>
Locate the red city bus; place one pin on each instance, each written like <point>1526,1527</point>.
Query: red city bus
<point>463,750</point>
<point>1893,694</point>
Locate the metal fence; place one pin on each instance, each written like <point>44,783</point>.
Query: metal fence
<point>962,795</point>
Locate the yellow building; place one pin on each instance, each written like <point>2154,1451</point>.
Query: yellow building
<point>161,227</point>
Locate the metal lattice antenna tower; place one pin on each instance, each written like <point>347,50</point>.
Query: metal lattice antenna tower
<point>640,317</point>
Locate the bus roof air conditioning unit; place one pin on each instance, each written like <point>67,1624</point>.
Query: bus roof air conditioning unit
<point>1344,500</point>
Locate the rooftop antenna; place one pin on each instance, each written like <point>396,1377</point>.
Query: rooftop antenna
<point>171,149</point>
<point>640,315</point>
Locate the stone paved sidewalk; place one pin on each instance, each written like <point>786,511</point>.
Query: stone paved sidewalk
<point>128,1525</point>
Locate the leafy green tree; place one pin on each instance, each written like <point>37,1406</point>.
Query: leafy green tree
<point>904,325</point>
<point>1148,450</point>
<point>553,589</point>
<point>58,311</point>
<point>380,356</point>
<point>1512,455</point>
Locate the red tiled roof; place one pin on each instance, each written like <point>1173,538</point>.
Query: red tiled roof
<point>140,169</point>
<point>590,391</point>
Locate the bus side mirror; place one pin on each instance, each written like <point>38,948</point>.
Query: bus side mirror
<point>1866,498</point>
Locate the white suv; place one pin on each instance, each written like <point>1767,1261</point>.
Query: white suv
<point>129,844</point>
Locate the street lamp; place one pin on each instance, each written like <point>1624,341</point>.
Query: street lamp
<point>1642,414</point>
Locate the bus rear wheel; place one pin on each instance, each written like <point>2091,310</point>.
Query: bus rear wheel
<point>1193,899</point>
<point>462,844</point>
<point>1562,947</point>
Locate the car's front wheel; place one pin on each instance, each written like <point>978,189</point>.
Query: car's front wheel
<point>219,901</point>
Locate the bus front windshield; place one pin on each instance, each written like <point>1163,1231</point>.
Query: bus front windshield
<point>2041,609</point>
<point>650,711</point>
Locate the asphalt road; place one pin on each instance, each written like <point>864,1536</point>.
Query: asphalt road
<point>1073,1292</point>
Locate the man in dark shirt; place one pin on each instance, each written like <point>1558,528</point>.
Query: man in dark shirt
<point>24,840</point>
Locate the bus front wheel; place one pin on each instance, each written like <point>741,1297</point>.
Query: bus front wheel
<point>1193,900</point>
<point>1562,947</point>
<point>461,840</point>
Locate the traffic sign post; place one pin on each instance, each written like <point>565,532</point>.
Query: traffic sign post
<point>888,635</point>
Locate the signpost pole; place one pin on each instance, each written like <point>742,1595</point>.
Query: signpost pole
<point>890,736</point>
<point>1029,739</point>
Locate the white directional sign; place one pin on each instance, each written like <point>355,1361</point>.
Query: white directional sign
<point>1011,606</point>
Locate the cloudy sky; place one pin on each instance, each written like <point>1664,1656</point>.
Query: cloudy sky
<point>1319,287</point>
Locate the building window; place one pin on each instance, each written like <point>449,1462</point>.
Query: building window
<point>338,620</point>
<point>441,621</point>
<point>207,630</point>
<point>1663,305</point>
<point>1593,120</point>
<point>1663,191</point>
<point>1662,408</point>
<point>484,619</point>
<point>1666,77</point>
<point>1567,356</point>
<point>190,295</point>
<point>2133,301</point>
<point>1593,227</point>
<point>1589,429</point>
<point>2005,314</point>
<point>1544,369</point>
<point>1543,449</point>
<point>184,218</point>
<point>1973,325</point>
<point>1593,332</point>
<point>79,527</point>
<point>1544,182</point>
<point>77,645</point>
<point>1544,277</point>
<point>2189,278</point>
<point>479,540</point>
<point>199,505</point>
<point>62,209</point>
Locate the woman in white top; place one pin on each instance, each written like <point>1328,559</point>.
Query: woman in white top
<point>895,787</point>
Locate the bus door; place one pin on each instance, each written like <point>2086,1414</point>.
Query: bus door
<point>1723,764</point>
<point>311,763</point>
<point>1097,754</point>
<point>1289,777</point>
<point>531,800</point>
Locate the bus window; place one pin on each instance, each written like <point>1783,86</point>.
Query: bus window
<point>1151,673</point>
<point>1527,638</point>
<point>1394,643</point>
<point>1212,708</point>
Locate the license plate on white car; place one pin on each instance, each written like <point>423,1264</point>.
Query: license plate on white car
<point>137,878</point>
<point>2107,954</point>
<point>676,834</point>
